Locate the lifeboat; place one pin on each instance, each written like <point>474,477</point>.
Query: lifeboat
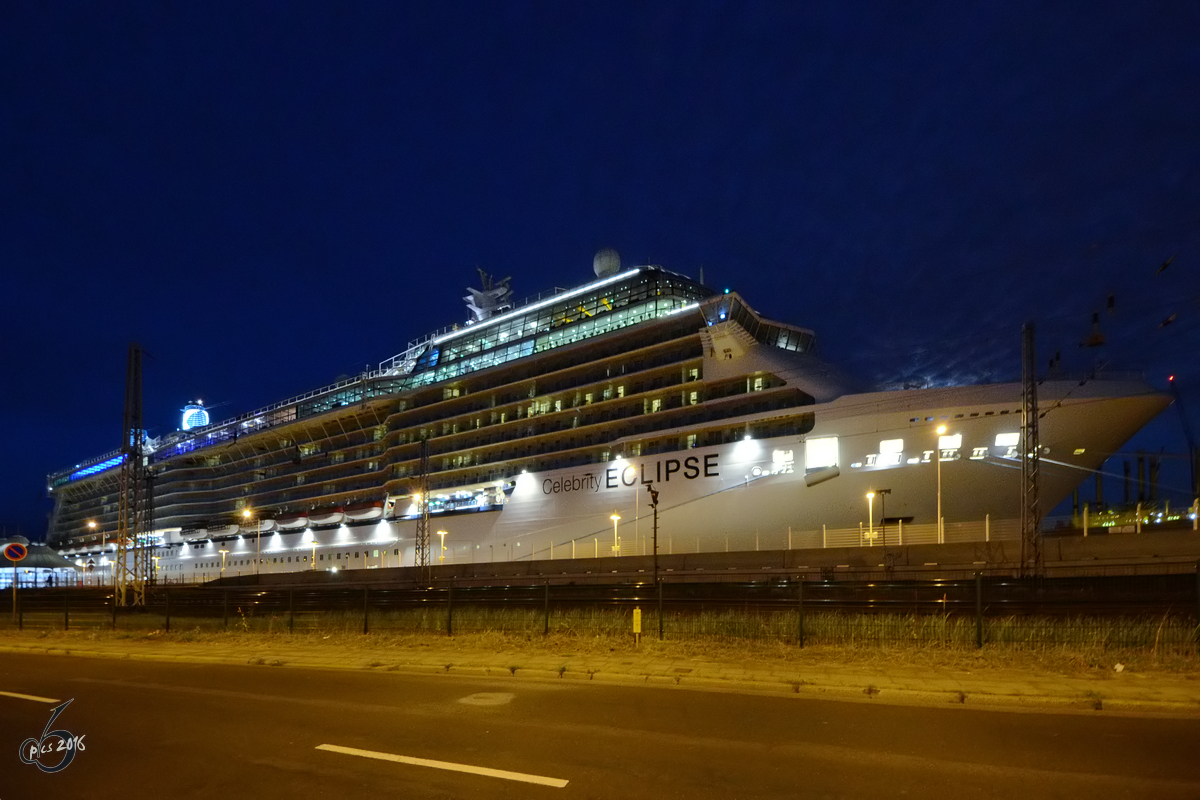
<point>365,511</point>
<point>292,522</point>
<point>194,535</point>
<point>327,516</point>
<point>218,531</point>
<point>253,527</point>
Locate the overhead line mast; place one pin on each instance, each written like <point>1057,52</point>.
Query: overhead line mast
<point>1031,515</point>
<point>422,543</point>
<point>133,541</point>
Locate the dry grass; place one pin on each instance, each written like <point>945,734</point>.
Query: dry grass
<point>382,647</point>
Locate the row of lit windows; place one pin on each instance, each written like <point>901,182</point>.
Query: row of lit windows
<point>243,562</point>
<point>822,452</point>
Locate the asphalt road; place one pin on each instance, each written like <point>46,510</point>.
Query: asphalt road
<point>202,731</point>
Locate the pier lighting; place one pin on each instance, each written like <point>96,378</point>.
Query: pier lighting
<point>616,542</point>
<point>883,493</point>
<point>871,516</point>
<point>442,555</point>
<point>224,552</point>
<point>257,542</point>
<point>941,431</point>
<point>91,524</point>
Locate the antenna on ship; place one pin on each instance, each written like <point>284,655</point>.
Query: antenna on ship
<point>494,298</point>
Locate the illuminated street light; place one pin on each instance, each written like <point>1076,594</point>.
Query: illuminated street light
<point>223,552</point>
<point>257,542</point>
<point>871,517</point>
<point>941,536</point>
<point>616,542</point>
<point>442,555</point>
<point>883,493</point>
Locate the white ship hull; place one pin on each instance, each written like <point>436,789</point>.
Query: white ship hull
<point>751,494</point>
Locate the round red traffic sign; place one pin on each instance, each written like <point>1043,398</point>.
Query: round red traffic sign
<point>16,552</point>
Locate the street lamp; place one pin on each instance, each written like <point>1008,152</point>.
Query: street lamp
<point>257,542</point>
<point>442,554</point>
<point>941,431</point>
<point>156,567</point>
<point>883,493</point>
<point>870,517</point>
<point>223,552</point>
<point>616,542</point>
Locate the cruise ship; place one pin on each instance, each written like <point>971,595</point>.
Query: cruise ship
<point>539,429</point>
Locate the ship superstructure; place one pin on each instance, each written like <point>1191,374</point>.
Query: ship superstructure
<point>543,421</point>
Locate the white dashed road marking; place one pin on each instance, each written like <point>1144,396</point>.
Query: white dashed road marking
<point>557,783</point>
<point>32,697</point>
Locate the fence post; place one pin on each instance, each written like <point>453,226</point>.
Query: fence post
<point>114,621</point>
<point>546,632</point>
<point>21,609</point>
<point>365,596</point>
<point>225,608</point>
<point>449,610</point>
<point>168,597</point>
<point>291,611</point>
<point>66,611</point>
<point>660,609</point>
<point>979,610</point>
<point>800,611</point>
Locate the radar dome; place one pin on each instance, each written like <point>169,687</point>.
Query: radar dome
<point>607,262</point>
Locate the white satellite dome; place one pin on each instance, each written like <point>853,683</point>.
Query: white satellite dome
<point>607,262</point>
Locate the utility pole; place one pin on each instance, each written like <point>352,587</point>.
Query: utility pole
<point>1031,515</point>
<point>132,567</point>
<point>654,506</point>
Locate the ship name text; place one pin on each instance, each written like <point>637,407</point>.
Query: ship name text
<point>688,468</point>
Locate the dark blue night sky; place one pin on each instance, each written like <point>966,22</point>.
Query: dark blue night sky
<point>267,196</point>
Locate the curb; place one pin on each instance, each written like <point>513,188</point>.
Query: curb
<point>976,699</point>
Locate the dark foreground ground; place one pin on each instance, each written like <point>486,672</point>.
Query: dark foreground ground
<point>178,729</point>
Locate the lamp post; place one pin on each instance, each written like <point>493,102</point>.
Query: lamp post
<point>442,554</point>
<point>941,430</point>
<point>616,542</point>
<point>223,552</point>
<point>156,567</point>
<point>870,517</point>
<point>257,543</point>
<point>883,493</point>
<point>314,552</point>
<point>91,526</point>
